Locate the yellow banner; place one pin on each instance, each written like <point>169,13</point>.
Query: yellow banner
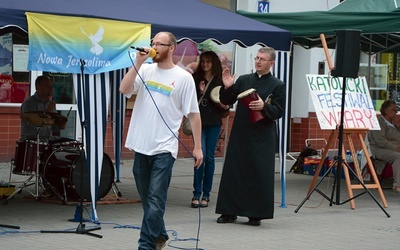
<point>61,43</point>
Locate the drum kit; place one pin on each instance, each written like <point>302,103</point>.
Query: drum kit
<point>41,118</point>
<point>57,165</point>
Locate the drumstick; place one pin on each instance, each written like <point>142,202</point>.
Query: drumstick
<point>325,46</point>
<point>69,111</point>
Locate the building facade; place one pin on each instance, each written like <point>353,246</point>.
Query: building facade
<point>303,121</point>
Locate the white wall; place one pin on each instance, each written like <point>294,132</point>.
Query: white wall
<point>288,5</point>
<point>245,59</point>
<point>304,61</point>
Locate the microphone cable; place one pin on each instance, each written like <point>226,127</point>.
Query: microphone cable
<point>169,128</point>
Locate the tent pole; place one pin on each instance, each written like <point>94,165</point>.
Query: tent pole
<point>369,61</point>
<point>81,229</point>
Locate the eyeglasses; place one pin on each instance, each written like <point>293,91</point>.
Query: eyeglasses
<point>159,44</point>
<point>261,59</point>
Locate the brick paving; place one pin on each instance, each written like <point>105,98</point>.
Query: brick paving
<point>316,225</point>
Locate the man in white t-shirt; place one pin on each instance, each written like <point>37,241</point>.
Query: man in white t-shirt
<point>165,93</point>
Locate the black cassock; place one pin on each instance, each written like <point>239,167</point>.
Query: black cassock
<point>247,181</point>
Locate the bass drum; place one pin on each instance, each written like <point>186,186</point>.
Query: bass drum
<point>63,174</point>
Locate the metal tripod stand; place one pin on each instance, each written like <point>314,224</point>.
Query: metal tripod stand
<point>81,229</point>
<point>10,226</point>
<point>336,186</point>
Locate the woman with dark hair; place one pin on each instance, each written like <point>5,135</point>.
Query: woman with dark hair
<point>385,143</point>
<point>207,76</point>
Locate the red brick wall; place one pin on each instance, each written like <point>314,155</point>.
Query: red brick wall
<point>309,128</point>
<point>10,133</point>
<point>186,140</point>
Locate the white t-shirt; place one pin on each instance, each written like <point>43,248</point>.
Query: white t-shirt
<point>174,94</point>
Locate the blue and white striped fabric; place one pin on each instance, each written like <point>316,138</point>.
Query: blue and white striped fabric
<point>93,99</point>
<point>281,71</point>
<point>117,109</point>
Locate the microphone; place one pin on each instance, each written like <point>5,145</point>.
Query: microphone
<point>152,52</point>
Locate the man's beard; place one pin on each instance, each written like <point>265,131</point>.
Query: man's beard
<point>160,57</point>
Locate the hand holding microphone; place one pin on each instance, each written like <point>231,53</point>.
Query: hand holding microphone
<point>152,52</point>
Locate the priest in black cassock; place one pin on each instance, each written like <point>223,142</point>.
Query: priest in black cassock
<point>247,181</point>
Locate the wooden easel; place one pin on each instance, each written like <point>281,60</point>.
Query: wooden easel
<point>360,132</point>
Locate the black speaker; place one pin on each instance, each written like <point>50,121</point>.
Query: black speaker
<point>348,48</point>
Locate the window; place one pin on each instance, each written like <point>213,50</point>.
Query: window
<point>64,96</point>
<point>14,75</point>
<point>377,80</point>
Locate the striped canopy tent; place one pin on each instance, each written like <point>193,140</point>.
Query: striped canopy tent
<point>221,27</point>
<point>91,88</point>
<point>96,65</point>
<point>281,70</point>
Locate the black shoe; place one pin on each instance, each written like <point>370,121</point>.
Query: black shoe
<point>254,221</point>
<point>204,202</point>
<point>226,218</point>
<point>195,205</point>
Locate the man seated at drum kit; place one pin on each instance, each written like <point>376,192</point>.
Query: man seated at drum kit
<point>55,162</point>
<point>40,127</point>
<point>39,114</point>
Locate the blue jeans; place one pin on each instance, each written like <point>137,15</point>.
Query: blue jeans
<point>152,176</point>
<point>203,176</point>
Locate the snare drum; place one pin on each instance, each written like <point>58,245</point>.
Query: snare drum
<point>214,94</point>
<point>63,171</point>
<point>25,159</point>
<point>245,98</point>
<point>64,143</point>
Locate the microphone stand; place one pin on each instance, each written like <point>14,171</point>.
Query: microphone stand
<point>81,229</point>
<point>10,226</point>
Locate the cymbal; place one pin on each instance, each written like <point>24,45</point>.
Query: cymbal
<point>42,118</point>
